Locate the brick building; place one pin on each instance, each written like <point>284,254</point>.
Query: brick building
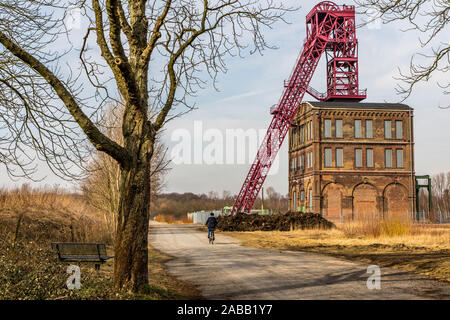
<point>350,159</point>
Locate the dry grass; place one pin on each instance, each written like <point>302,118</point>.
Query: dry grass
<point>171,220</point>
<point>30,271</point>
<point>186,220</point>
<point>46,215</point>
<point>424,249</point>
<point>375,227</point>
<point>32,218</point>
<point>165,218</point>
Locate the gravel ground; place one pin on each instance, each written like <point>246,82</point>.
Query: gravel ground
<point>227,270</point>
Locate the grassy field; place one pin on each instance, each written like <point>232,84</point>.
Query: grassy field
<point>31,219</point>
<point>31,271</point>
<point>424,249</point>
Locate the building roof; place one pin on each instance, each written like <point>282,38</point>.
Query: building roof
<point>359,105</point>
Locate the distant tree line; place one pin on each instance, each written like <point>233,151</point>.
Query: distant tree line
<point>178,205</point>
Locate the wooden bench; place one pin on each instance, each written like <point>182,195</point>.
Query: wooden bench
<point>81,252</point>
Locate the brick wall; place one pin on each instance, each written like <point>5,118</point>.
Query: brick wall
<point>348,191</point>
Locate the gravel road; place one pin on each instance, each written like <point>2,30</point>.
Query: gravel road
<point>227,270</point>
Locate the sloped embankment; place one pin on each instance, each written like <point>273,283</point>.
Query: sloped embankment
<point>280,222</point>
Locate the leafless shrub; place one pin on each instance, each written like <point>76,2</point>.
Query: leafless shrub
<point>430,18</point>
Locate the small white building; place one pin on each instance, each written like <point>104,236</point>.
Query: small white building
<point>202,216</point>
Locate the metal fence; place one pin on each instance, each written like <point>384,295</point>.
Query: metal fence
<point>202,216</point>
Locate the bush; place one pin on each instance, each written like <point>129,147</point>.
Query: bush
<point>46,215</point>
<point>29,271</point>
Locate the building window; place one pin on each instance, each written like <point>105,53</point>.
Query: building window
<point>302,161</point>
<point>302,195</point>
<point>304,132</point>
<point>358,133</point>
<point>399,129</point>
<point>369,134</point>
<point>327,155</point>
<point>358,158</point>
<point>294,138</point>
<point>310,200</point>
<point>307,131</point>
<point>295,200</point>
<point>301,134</point>
<point>388,158</point>
<point>310,130</point>
<point>338,124</point>
<point>399,158</point>
<point>339,157</point>
<point>327,128</point>
<point>369,158</point>
<point>309,160</point>
<point>387,129</point>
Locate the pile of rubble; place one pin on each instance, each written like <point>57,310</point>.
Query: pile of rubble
<point>280,222</point>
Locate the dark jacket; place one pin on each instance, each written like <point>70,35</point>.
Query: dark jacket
<point>211,222</point>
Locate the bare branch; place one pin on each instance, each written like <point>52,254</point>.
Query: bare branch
<point>100,141</point>
<point>429,18</point>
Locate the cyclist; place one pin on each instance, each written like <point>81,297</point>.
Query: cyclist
<point>211,223</point>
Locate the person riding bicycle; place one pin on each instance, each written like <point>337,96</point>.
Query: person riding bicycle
<point>211,223</point>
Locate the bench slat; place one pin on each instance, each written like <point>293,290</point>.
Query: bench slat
<point>81,251</point>
<point>87,258</point>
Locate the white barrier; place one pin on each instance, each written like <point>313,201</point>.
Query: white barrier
<point>202,216</point>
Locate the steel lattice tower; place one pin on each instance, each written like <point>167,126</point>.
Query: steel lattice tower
<point>331,29</point>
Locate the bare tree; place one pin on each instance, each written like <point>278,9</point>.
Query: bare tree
<point>440,188</point>
<point>226,195</point>
<point>101,185</point>
<point>154,56</point>
<point>429,18</point>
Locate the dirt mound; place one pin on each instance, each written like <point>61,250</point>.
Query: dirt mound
<point>280,222</point>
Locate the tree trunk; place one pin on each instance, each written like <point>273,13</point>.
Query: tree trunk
<point>131,244</point>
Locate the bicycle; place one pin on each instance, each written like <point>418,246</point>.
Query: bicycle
<point>211,236</point>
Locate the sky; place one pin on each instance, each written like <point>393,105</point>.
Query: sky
<point>255,83</point>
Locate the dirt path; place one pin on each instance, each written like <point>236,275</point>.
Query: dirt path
<point>227,270</point>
